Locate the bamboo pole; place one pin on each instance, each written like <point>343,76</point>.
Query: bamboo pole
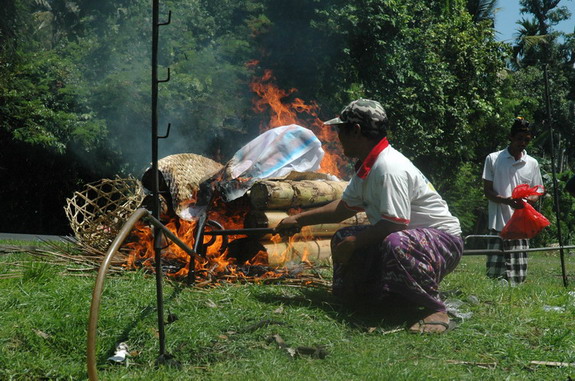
<point>314,251</point>
<point>286,194</point>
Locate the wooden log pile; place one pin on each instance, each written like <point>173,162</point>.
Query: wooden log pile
<point>273,200</point>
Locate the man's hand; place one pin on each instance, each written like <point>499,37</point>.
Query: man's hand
<point>515,203</point>
<point>288,227</point>
<point>344,250</point>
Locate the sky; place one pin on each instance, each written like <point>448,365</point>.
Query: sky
<point>508,14</point>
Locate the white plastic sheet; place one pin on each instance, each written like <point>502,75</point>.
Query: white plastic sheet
<point>274,154</point>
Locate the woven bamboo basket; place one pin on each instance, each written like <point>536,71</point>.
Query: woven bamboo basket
<point>182,175</point>
<point>98,212</point>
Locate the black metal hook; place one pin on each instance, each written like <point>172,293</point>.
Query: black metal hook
<point>169,19</point>
<point>167,79</point>
<point>167,132</point>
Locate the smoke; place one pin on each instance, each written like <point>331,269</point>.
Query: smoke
<point>207,101</point>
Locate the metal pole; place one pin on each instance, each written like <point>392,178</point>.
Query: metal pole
<point>553,170</point>
<point>156,184</point>
<point>503,251</point>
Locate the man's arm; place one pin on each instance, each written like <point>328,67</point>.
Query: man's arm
<point>493,196</point>
<point>333,212</point>
<point>537,180</point>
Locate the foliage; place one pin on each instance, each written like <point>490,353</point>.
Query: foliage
<point>542,60</point>
<point>43,123</point>
<point>39,106</point>
<point>469,209</point>
<point>481,10</point>
<point>81,92</point>
<point>566,206</point>
<point>537,42</point>
<point>527,87</point>
<point>437,76</point>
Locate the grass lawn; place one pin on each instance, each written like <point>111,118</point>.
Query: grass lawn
<point>233,331</point>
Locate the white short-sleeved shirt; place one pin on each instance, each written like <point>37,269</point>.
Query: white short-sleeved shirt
<point>506,173</point>
<point>388,186</point>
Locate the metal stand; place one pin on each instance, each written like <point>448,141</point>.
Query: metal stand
<point>553,170</point>
<point>205,201</point>
<point>502,249</point>
<point>156,192</point>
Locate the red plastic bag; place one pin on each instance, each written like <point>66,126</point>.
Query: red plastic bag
<point>525,222</point>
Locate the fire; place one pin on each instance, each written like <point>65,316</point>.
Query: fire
<point>219,261</point>
<point>216,262</point>
<point>270,96</point>
<point>284,111</point>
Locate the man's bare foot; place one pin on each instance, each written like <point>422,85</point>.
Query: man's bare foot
<point>437,322</point>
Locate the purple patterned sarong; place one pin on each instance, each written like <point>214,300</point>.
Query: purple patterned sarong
<point>410,263</point>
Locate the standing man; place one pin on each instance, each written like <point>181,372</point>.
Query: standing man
<point>503,171</point>
<point>413,241</point>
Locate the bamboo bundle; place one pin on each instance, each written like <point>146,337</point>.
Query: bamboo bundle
<point>314,251</point>
<point>286,194</point>
<point>271,219</point>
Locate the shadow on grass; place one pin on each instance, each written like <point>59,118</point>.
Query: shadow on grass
<point>122,337</point>
<point>392,313</point>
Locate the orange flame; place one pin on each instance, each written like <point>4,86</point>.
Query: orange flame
<point>284,111</point>
<point>216,261</point>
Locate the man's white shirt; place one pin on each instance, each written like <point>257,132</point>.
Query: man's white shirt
<point>393,189</point>
<point>506,173</point>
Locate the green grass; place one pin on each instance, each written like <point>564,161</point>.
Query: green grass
<point>44,314</point>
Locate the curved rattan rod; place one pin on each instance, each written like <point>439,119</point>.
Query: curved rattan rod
<point>99,286</point>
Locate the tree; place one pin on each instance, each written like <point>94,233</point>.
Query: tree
<point>43,122</point>
<point>436,75</point>
<point>537,45</point>
<point>538,48</point>
<point>547,13</point>
<point>536,41</point>
<point>482,10</point>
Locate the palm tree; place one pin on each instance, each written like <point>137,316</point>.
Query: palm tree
<point>545,12</point>
<point>482,10</point>
<point>536,40</point>
<point>527,42</point>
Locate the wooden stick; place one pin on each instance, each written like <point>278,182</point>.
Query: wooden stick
<point>271,219</point>
<point>486,365</point>
<point>553,363</point>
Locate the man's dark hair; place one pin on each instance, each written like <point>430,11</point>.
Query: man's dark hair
<point>374,134</point>
<point>520,125</point>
